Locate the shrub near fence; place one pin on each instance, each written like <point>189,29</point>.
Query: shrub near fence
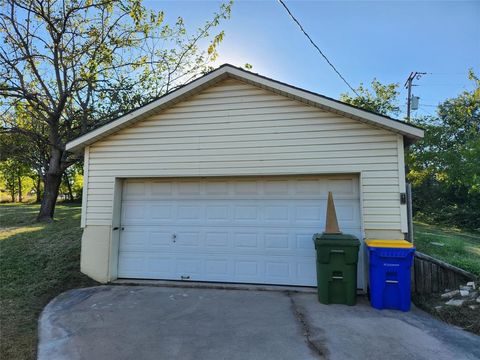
<point>432,276</point>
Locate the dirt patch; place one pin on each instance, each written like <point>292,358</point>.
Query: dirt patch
<point>461,316</point>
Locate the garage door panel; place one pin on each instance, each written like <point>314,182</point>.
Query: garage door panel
<point>232,230</point>
<point>135,189</point>
<point>189,187</point>
<point>280,241</point>
<point>310,187</point>
<point>161,212</point>
<point>273,187</point>
<point>188,239</point>
<point>159,240</point>
<point>196,267</point>
<point>343,186</point>
<point>346,214</point>
<point>303,240</point>
<point>248,269</point>
<point>188,213</point>
<point>160,266</point>
<point>285,241</point>
<point>308,213</point>
<point>275,213</point>
<point>161,189</point>
<point>217,188</point>
<point>244,239</point>
<point>217,213</point>
<point>134,212</point>
<point>217,239</point>
<point>188,267</point>
<point>217,267</point>
<point>276,241</point>
<point>133,264</point>
<point>277,269</point>
<point>245,187</point>
<point>247,212</point>
<point>135,240</point>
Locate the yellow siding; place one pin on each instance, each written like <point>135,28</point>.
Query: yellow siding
<point>235,129</point>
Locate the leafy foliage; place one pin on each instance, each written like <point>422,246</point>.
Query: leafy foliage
<point>18,157</point>
<point>13,176</point>
<point>445,165</point>
<point>383,99</point>
<point>67,66</point>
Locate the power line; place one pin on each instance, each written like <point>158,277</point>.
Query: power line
<point>316,47</point>
<point>443,85</point>
<point>448,73</point>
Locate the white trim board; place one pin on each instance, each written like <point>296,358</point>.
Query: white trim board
<point>230,71</point>
<point>86,163</point>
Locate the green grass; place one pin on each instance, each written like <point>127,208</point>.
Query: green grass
<point>460,248</point>
<point>37,262</point>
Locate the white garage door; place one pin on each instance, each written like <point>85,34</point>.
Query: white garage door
<point>244,230</point>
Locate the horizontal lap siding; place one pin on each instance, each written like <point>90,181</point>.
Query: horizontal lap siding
<point>237,129</point>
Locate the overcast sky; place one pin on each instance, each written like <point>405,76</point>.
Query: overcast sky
<point>363,39</point>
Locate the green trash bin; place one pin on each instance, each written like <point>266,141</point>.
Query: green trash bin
<point>337,257</point>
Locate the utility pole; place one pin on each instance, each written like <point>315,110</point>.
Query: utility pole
<point>408,85</point>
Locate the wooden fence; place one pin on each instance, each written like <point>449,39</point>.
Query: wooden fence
<point>431,276</point>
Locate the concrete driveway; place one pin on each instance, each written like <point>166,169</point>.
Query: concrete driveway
<point>144,322</point>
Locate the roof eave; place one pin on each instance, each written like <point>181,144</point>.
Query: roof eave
<point>411,132</point>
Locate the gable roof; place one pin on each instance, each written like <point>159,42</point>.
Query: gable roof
<point>225,71</point>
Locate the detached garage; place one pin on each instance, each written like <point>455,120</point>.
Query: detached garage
<point>226,179</point>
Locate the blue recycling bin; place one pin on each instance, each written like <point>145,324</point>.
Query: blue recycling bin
<point>390,262</point>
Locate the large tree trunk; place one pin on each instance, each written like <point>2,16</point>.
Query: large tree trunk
<point>52,181</point>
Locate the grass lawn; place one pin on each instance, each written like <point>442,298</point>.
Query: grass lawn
<point>37,262</point>
<point>460,248</point>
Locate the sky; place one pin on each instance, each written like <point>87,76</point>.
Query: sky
<point>385,40</point>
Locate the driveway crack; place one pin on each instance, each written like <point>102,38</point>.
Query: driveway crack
<point>315,343</point>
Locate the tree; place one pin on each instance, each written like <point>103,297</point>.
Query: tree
<point>8,173</point>
<point>72,183</point>
<point>13,174</point>
<point>383,100</point>
<point>17,156</point>
<point>445,165</point>
<point>67,66</point>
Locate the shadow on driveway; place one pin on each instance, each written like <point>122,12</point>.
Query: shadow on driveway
<point>142,322</point>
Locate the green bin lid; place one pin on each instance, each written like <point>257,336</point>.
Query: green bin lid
<point>336,239</point>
